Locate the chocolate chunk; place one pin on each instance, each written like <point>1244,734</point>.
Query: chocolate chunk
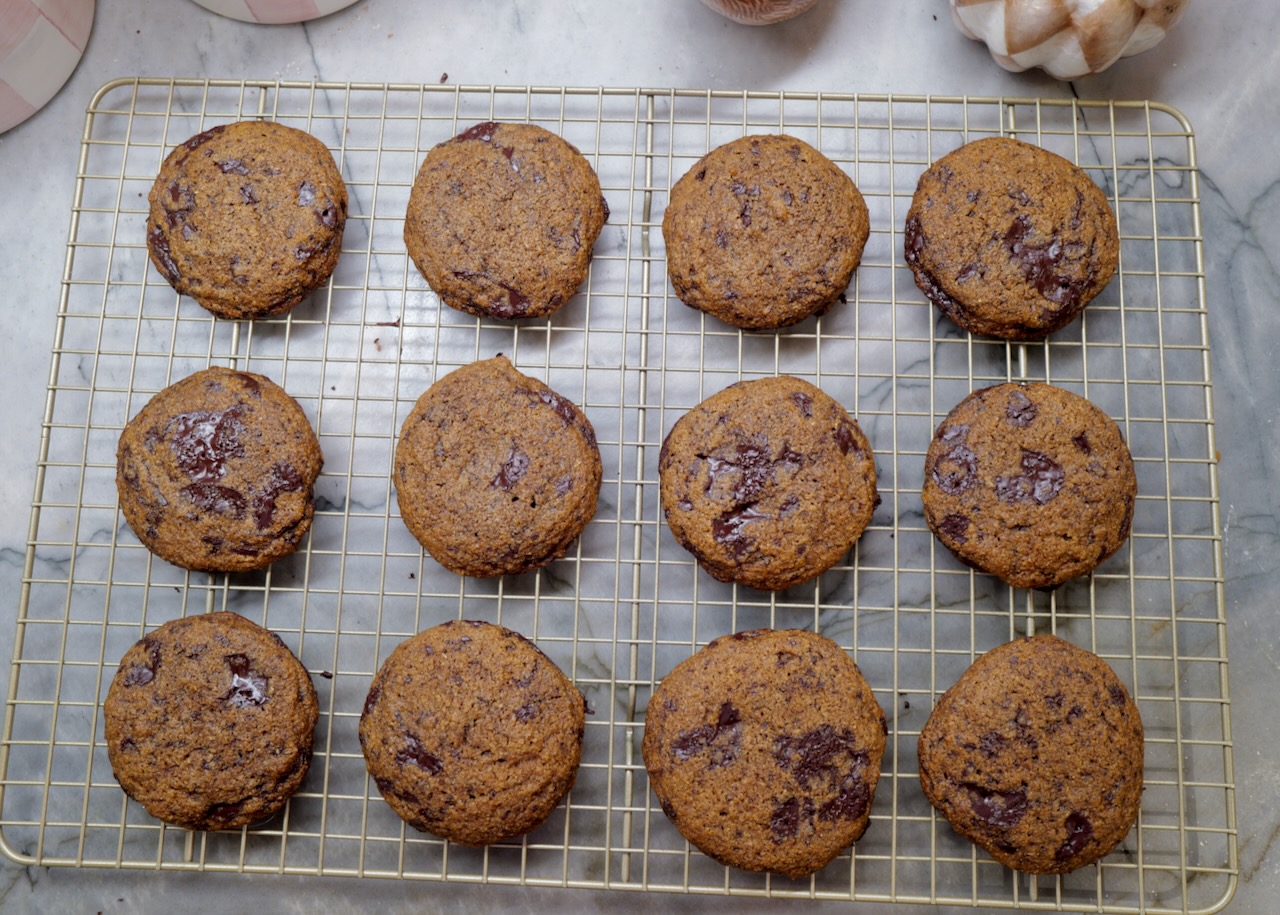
<point>998,808</point>
<point>1039,263</point>
<point>956,471</point>
<point>727,529</point>
<point>284,477</point>
<point>1040,481</point>
<point>142,674</point>
<point>204,440</point>
<point>213,497</point>
<point>956,527</point>
<point>822,754</point>
<point>1081,441</point>
<point>1079,832</point>
<point>375,693</point>
<point>512,471</point>
<point>248,686</point>
<point>306,194</point>
<point>1020,411</point>
<point>232,167</point>
<point>159,245</point>
<point>483,132</point>
<point>414,752</point>
<point>721,741</point>
<point>203,137</point>
<point>787,817</point>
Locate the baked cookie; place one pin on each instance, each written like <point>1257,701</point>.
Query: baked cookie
<point>471,733</point>
<point>764,750</point>
<point>768,482</point>
<point>210,721</point>
<point>763,232</point>
<point>1035,754</point>
<point>216,472</point>
<point>247,218</point>
<point>496,473</point>
<point>1010,240</point>
<point>1030,483</point>
<point>502,218</point>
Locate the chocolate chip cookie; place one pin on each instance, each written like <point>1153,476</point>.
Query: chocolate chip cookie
<point>210,721</point>
<point>471,733</point>
<point>502,219</point>
<point>1010,240</point>
<point>768,482</point>
<point>1030,483</point>
<point>495,473</point>
<point>1036,755</point>
<point>764,750</point>
<point>247,218</point>
<point>763,232</point>
<point>216,472</point>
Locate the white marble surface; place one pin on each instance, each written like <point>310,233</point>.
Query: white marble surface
<point>1220,67</point>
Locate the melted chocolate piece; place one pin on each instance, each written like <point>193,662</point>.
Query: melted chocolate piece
<point>248,194</point>
<point>204,440</point>
<point>159,245</point>
<point>1039,264</point>
<point>142,674</point>
<point>727,529</point>
<point>483,131</point>
<point>721,740</point>
<point>414,752</point>
<point>213,497</point>
<point>232,167</point>
<point>1081,441</point>
<point>804,402</point>
<point>963,473</point>
<point>526,713</point>
<point>845,438</point>
<point>822,754</point>
<point>1079,832</point>
<point>1117,694</point>
<point>375,693</point>
<point>955,527</point>
<point>284,477</point>
<point>787,816</point>
<point>204,136</point>
<point>993,743</point>
<point>306,194</point>
<point>1040,481</point>
<point>849,803</point>
<point>512,470</point>
<point>1020,411</point>
<point>567,411</point>
<point>248,687</point>
<point>328,217</point>
<point>1003,809</point>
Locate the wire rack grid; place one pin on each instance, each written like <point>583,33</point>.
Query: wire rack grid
<point>627,603</point>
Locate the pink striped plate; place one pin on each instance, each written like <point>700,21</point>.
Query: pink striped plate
<point>274,11</point>
<point>41,41</point>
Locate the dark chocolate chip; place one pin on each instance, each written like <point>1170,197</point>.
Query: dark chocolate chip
<point>998,808</point>
<point>284,477</point>
<point>306,194</point>
<point>956,471</point>
<point>204,136</point>
<point>1039,263</point>
<point>159,245</point>
<point>1041,480</point>
<point>483,132</point>
<point>787,816</point>
<point>413,751</point>
<point>204,440</point>
<point>1079,832</point>
<point>142,674</point>
<point>720,741</point>
<point>232,166</point>
<point>1020,411</point>
<point>955,527</point>
<point>214,497</point>
<point>512,470</point>
<point>248,686</point>
<point>1081,441</point>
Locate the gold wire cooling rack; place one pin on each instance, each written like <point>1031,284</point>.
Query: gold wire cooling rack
<point>628,602</point>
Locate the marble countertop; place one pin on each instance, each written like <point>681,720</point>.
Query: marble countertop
<point>1220,68</point>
